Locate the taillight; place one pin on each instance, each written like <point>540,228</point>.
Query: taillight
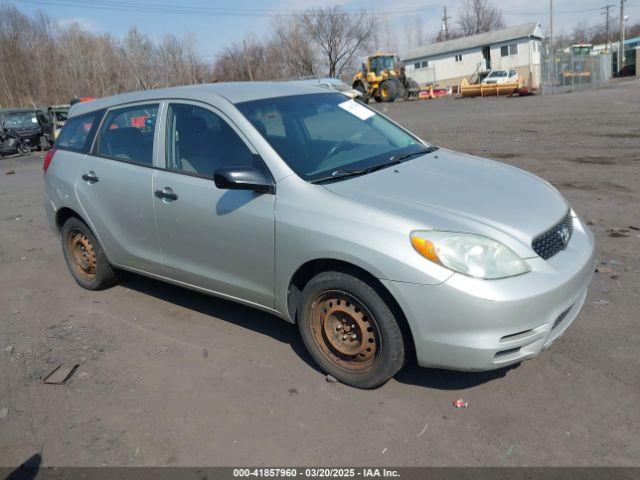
<point>47,159</point>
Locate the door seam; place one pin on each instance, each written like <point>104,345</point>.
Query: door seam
<point>155,220</point>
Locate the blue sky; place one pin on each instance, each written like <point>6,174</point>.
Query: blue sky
<point>213,32</point>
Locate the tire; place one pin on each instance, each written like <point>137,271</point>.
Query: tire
<point>84,256</point>
<point>349,330</point>
<point>24,149</point>
<point>44,143</point>
<point>388,91</point>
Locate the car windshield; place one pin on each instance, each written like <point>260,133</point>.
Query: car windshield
<point>21,120</point>
<point>320,134</point>
<point>499,73</point>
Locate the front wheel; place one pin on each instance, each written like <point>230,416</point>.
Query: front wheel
<point>24,149</point>
<point>349,330</point>
<point>364,98</point>
<point>388,91</point>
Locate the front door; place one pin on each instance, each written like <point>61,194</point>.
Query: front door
<point>220,240</point>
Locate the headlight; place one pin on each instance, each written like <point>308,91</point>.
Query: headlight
<point>470,254</point>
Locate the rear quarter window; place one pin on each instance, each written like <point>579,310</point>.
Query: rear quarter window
<point>77,133</point>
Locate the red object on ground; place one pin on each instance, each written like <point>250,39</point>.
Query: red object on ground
<point>460,403</point>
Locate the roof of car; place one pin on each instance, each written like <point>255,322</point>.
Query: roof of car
<point>235,92</point>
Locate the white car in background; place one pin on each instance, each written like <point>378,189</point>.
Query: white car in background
<point>501,76</point>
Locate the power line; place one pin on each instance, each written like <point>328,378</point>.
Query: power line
<point>209,11</point>
<point>561,12</point>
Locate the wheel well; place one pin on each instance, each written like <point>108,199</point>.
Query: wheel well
<point>310,269</point>
<point>64,214</point>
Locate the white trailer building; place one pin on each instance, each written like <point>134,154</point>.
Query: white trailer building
<point>447,63</point>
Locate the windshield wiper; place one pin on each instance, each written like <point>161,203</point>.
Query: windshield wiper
<point>404,156</point>
<point>342,173</point>
<point>396,159</point>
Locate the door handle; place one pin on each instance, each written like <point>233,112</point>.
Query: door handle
<point>166,194</point>
<point>90,177</point>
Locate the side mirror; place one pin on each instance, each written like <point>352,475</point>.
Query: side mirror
<point>244,178</point>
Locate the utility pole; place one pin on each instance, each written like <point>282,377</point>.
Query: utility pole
<point>621,46</point>
<point>445,22</point>
<point>552,52</point>
<point>606,13</point>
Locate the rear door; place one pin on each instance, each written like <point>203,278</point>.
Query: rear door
<point>221,240</point>
<point>114,186</point>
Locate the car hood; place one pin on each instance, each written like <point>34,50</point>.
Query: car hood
<point>452,191</point>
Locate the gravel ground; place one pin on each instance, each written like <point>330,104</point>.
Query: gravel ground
<point>171,377</point>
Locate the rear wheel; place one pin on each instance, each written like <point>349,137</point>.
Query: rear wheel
<point>24,149</point>
<point>84,255</point>
<point>349,330</point>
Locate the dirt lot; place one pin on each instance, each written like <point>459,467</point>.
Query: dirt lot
<point>171,377</point>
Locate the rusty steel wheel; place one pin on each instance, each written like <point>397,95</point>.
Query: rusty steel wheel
<point>83,255</point>
<point>349,328</point>
<point>345,331</point>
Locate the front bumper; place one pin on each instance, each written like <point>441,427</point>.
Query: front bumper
<point>472,324</point>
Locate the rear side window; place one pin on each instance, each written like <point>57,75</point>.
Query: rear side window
<point>127,134</point>
<point>78,131</point>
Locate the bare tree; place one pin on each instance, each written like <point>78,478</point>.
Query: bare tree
<point>479,16</point>
<point>414,31</point>
<point>43,63</point>
<point>295,49</point>
<point>387,38</point>
<point>338,35</point>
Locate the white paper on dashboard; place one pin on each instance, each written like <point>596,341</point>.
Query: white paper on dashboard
<point>354,108</point>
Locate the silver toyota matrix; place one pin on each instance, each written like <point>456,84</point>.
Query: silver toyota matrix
<point>320,210</point>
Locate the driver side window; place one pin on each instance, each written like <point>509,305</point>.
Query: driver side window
<point>199,142</point>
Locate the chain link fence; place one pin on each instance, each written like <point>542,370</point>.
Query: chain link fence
<point>564,71</point>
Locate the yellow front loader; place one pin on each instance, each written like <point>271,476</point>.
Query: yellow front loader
<point>383,78</point>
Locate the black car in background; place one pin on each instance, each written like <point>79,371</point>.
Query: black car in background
<point>33,126</point>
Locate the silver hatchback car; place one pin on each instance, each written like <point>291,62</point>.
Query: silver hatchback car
<point>322,211</point>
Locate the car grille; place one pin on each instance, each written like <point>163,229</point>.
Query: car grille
<point>555,239</point>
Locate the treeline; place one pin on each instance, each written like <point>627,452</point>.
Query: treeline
<point>43,63</point>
